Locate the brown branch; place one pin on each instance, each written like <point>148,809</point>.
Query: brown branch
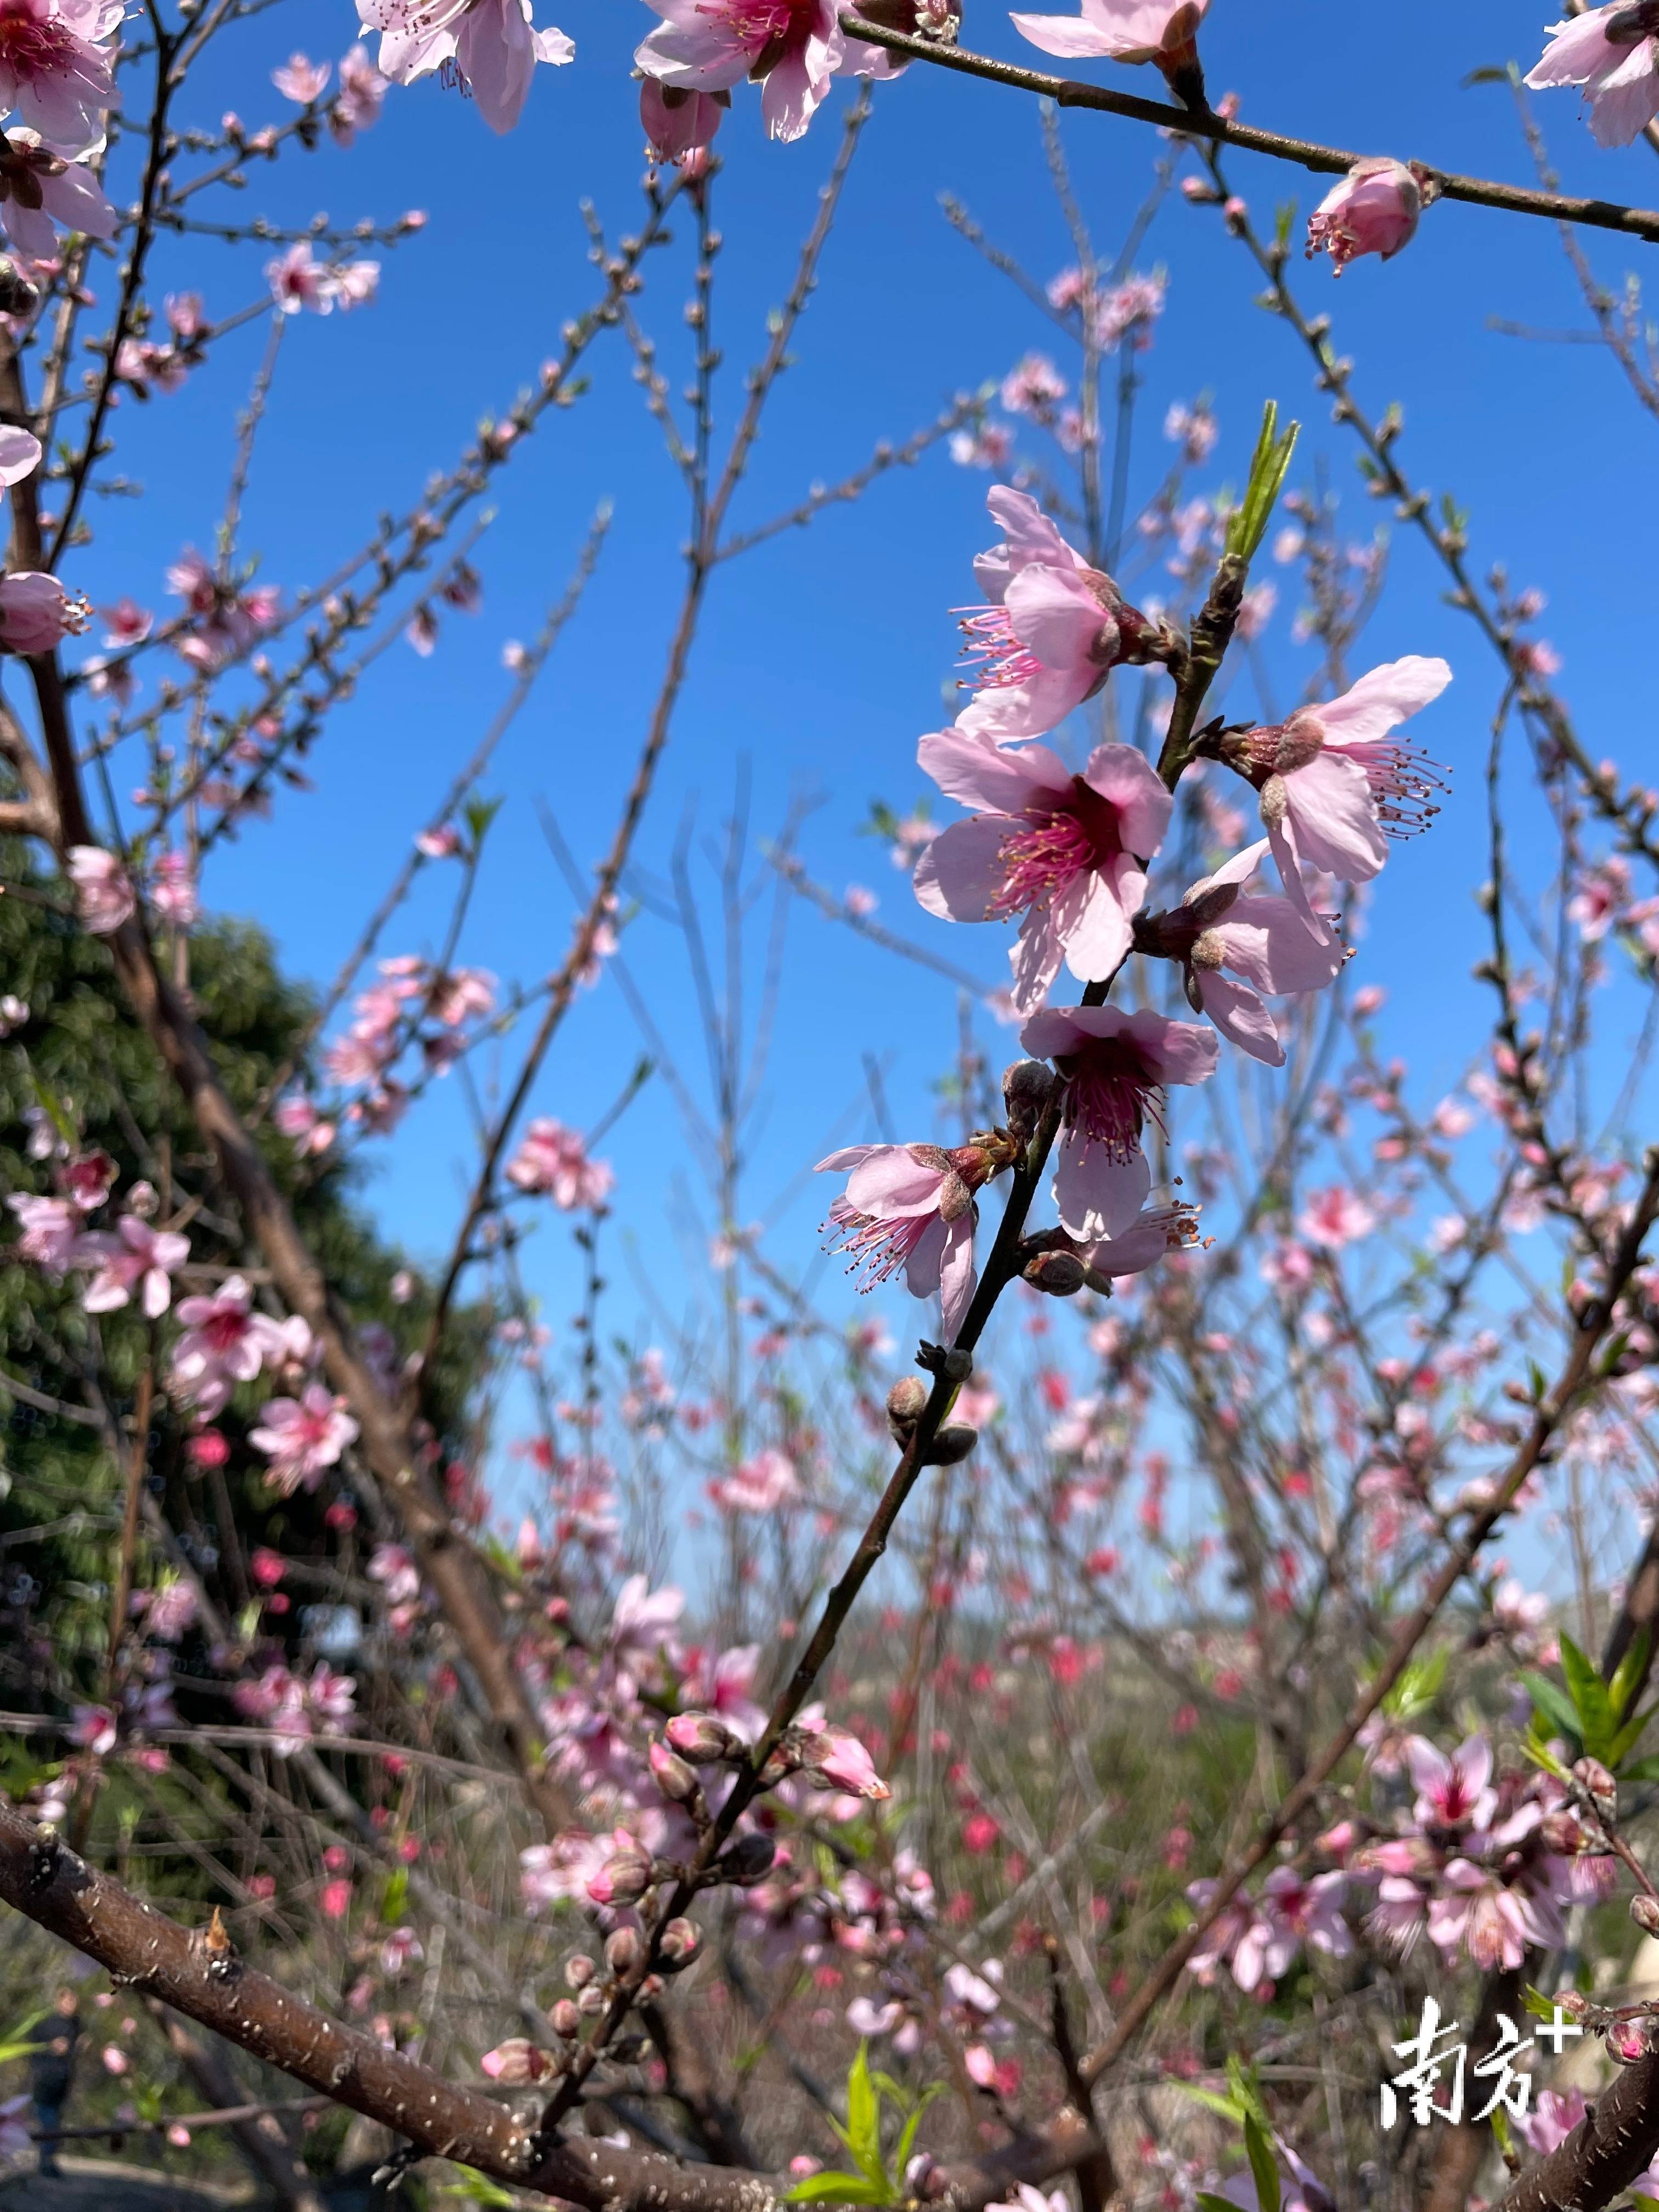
<point>1330,161</point>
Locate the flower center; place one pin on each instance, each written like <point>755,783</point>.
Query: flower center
<point>1076,836</point>
<point>878,1247</point>
<point>769,28</point>
<point>31,46</point>
<point>1109,1095</point>
<point>225,1330</point>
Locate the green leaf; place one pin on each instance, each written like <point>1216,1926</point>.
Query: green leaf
<point>1263,2164</point>
<point>1630,1674</point>
<point>1208,2202</point>
<point>845,2189</point>
<point>864,2117</point>
<point>394,1897</point>
<point>1590,1700</point>
<point>1269,465</point>
<point>1228,2107</point>
<point>1500,2128</point>
<point>1419,1685</point>
<point>1627,1739</point>
<point>477,2189</point>
<point>1540,2006</point>
<point>1644,2203</point>
<point>1641,1770</point>
<point>1552,1702</point>
<point>906,2142</point>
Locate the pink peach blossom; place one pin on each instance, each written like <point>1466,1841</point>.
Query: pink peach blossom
<point>51,1226</point>
<point>1454,1790</point>
<point>20,453</point>
<point>1276,944</point>
<point>226,1341</point>
<point>1051,632</point>
<point>835,1758</point>
<point>1114,1065</point>
<point>909,1207</point>
<point>36,612</point>
<point>300,80</point>
<point>491,44</point>
<point>1335,785</point>
<point>357,103</point>
<point>302,1436</point>
<point>761,1484</point>
<point>1067,852</point>
<point>678,122</point>
<point>57,69</point>
<point>1374,209</point>
<point>552,1161</point>
<point>791,48</point>
<point>1335,1217</point>
<point>1611,53</point>
<point>135,1257</point>
<point>1121,30</point>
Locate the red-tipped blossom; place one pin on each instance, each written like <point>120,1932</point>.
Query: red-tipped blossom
<point>1066,852</point>
<point>1612,53</point>
<point>1374,209</point>
<point>911,1206</point>
<point>1116,1066</point>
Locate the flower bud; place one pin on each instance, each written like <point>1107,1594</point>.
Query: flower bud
<point>591,2003</point>
<point>1573,2003</point>
<point>1627,2042</point>
<point>515,2063</point>
<point>652,1986</point>
<point>622,1880</point>
<point>1598,1785</point>
<point>1027,1087</point>
<point>951,1446</point>
<point>1056,1274</point>
<point>702,1740</point>
<point>679,1943</point>
<point>578,1970</point>
<point>1373,209</point>
<point>624,1950</point>
<point>566,2019</point>
<point>1645,1911</point>
<point>905,1402</point>
<point>749,1859</point>
<point>1562,1833</point>
<point>673,1776</point>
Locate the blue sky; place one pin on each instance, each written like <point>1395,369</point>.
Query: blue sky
<point>822,659</point>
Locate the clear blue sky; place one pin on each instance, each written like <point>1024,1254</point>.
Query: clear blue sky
<point>821,659</point>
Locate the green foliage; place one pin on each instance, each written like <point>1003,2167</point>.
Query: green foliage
<point>876,2178</point>
<point>1269,465</point>
<point>1596,1716</point>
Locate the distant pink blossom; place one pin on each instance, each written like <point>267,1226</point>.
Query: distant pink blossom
<point>298,279</point>
<point>1066,852</point>
<point>552,1161</point>
<point>1334,782</point>
<point>133,1258</point>
<point>442,843</point>
<point>1052,629</point>
<point>57,69</point>
<point>491,44</point>
<point>300,80</point>
<point>50,1228</point>
<point>1120,30</point>
<point>226,1341</point>
<point>301,1436</point>
<point>760,1484</point>
<point>1610,52</point>
<point>357,105</point>
<point>394,1569</point>
<point>1453,1790</point>
<point>1033,385</point>
<point>1293,1911</point>
<point>1602,895</point>
<point>1478,1911</point>
<point>1116,1067</point>
<point>909,1207</point>
<point>36,612</point>
<point>172,890</point>
<point>1373,209</point>
<point>1335,1217</point>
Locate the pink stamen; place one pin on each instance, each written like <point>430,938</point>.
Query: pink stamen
<point>32,49</point>
<point>1110,1096</point>
<point>1074,837</point>
<point>1403,781</point>
<point>991,639</point>
<point>879,1248</point>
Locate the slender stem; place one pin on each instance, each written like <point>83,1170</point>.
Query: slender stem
<point>1329,161</point>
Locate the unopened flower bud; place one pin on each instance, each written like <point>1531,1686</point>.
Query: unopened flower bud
<point>905,1402</point>
<point>1562,1833</point>
<point>1027,1087</point>
<point>652,1986</point>
<point>578,1970</point>
<point>679,1943</point>
<point>749,1859</point>
<point>951,1446</point>
<point>1627,2042</point>
<point>566,2019</point>
<point>674,1776</point>
<point>1572,2002</point>
<point>622,1880</point>
<point>1598,1785</point>
<point>624,1950</point>
<point>702,1740</point>
<point>515,2063</point>
<point>1645,1911</point>
<point>1056,1274</point>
